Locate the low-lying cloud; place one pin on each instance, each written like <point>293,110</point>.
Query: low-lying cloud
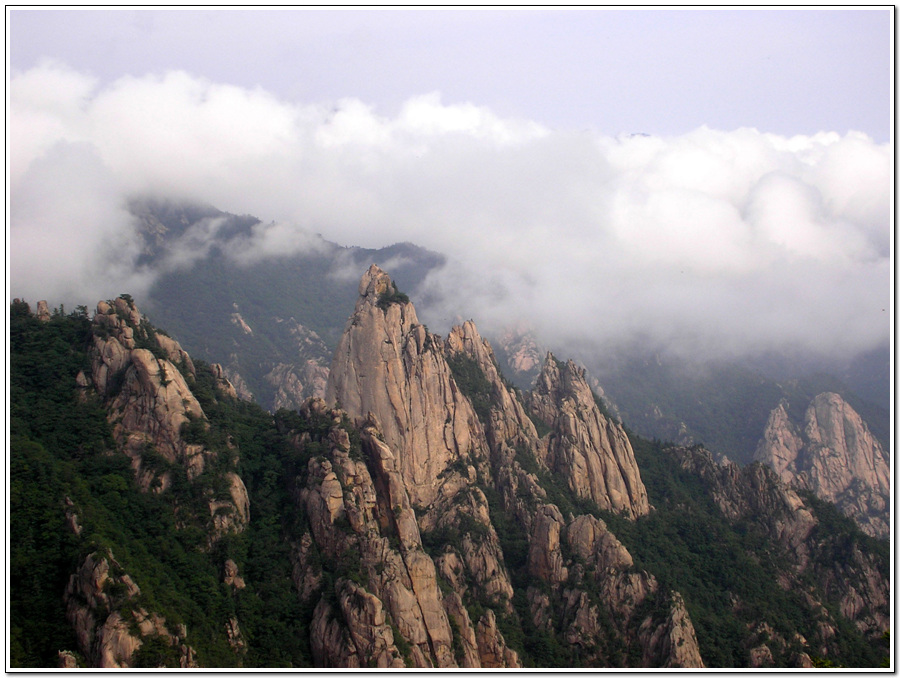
<point>713,242</point>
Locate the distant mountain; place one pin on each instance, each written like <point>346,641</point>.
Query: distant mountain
<point>833,454</point>
<point>723,405</point>
<point>272,323</point>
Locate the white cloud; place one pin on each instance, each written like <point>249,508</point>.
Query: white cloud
<point>713,241</point>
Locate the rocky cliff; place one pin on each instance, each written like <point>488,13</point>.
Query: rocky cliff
<point>588,448</point>
<point>834,455</point>
<point>142,378</point>
<point>388,364</point>
<point>104,606</point>
<point>426,513</point>
<point>756,498</point>
<point>458,430</point>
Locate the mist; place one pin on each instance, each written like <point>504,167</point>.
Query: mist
<point>715,243</point>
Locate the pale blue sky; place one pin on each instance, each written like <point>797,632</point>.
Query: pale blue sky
<point>615,71</point>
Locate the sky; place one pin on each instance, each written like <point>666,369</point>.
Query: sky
<point>718,182</point>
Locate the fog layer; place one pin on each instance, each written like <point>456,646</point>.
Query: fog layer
<point>714,243</point>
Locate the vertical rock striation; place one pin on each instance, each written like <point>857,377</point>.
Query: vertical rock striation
<point>388,364</point>
<point>588,448</point>
<point>833,455</point>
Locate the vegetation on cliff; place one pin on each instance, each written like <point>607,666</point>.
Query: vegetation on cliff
<point>73,493</point>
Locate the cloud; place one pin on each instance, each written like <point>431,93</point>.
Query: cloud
<point>713,242</point>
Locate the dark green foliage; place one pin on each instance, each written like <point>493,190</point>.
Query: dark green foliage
<point>839,535</point>
<point>62,448</point>
<point>42,557</point>
<point>540,427</point>
<point>472,382</point>
<point>156,652</point>
<point>392,296</point>
<point>726,573</point>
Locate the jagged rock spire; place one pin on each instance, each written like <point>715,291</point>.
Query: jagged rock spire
<point>388,364</point>
<point>590,449</point>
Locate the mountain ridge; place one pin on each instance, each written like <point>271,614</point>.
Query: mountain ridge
<point>488,553</point>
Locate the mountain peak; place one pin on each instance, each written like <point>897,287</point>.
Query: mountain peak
<point>388,364</point>
<point>835,456</point>
<point>374,283</point>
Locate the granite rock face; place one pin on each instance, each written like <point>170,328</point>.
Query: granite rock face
<point>142,376</point>
<point>103,604</point>
<point>756,496</point>
<point>388,364</point>
<point>441,516</point>
<point>835,456</point>
<point>361,517</point>
<point>439,422</point>
<point>588,448</point>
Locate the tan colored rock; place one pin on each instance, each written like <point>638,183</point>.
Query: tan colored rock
<point>388,364</point>
<point>589,538</point>
<point>330,640</point>
<point>149,401</point>
<point>43,311</point>
<point>545,559</point>
<point>232,578</point>
<point>236,319</point>
<point>674,643</point>
<point>72,517</point>
<point>835,456</point>
<point>105,638</point>
<point>115,646</point>
<point>66,660</point>
<point>241,388</point>
<point>508,420</point>
<point>368,628</point>
<point>306,576</point>
<point>467,656</point>
<point>232,514</point>
<point>234,635</point>
<point>781,444</point>
<point>353,511</point>
<point>590,450</point>
<point>156,400</point>
<point>175,353</point>
<point>492,649</point>
<point>225,387</point>
<point>584,628</point>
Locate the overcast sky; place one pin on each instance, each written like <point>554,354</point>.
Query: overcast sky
<point>652,71</point>
<point>715,180</point>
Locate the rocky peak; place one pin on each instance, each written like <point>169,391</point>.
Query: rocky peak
<point>142,377</point>
<point>508,419</point>
<point>835,456</point>
<point>587,447</point>
<point>388,364</point>
<point>43,311</point>
<point>103,604</point>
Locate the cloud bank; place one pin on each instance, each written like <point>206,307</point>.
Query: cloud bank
<point>712,243</point>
